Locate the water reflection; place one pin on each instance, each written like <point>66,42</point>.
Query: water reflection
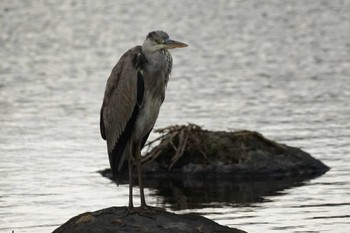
<point>181,194</point>
<point>196,194</point>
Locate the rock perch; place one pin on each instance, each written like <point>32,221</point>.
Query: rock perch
<point>113,219</point>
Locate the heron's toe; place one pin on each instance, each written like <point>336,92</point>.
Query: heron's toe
<point>146,211</point>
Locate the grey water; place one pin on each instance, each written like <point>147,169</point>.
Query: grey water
<point>278,67</point>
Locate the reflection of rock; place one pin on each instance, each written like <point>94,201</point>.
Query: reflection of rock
<point>113,219</point>
<point>192,193</point>
<point>196,194</point>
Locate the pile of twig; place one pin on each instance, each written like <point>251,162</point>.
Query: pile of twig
<point>180,138</point>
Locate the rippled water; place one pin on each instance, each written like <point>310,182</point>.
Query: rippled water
<point>278,67</point>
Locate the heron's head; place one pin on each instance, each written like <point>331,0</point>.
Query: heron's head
<point>158,40</point>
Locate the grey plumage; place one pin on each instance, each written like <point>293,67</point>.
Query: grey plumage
<point>134,93</point>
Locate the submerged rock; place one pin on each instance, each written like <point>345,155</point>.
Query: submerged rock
<point>113,219</point>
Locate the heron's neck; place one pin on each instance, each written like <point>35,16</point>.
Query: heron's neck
<point>159,60</point>
<point>158,68</point>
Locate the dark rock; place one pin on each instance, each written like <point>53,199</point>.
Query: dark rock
<point>189,151</point>
<point>113,219</point>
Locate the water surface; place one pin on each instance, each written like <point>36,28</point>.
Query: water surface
<point>278,67</point>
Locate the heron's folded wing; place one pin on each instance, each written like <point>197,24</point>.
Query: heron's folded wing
<point>119,103</point>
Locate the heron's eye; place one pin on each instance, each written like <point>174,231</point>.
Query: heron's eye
<point>158,41</point>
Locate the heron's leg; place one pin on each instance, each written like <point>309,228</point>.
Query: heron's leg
<point>130,165</point>
<point>139,175</point>
<point>144,209</point>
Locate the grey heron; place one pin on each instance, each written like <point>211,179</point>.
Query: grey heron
<point>134,93</point>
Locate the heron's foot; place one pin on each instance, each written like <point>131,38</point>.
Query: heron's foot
<point>152,208</point>
<point>131,210</point>
<point>145,210</point>
<point>148,211</point>
<point>142,211</point>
